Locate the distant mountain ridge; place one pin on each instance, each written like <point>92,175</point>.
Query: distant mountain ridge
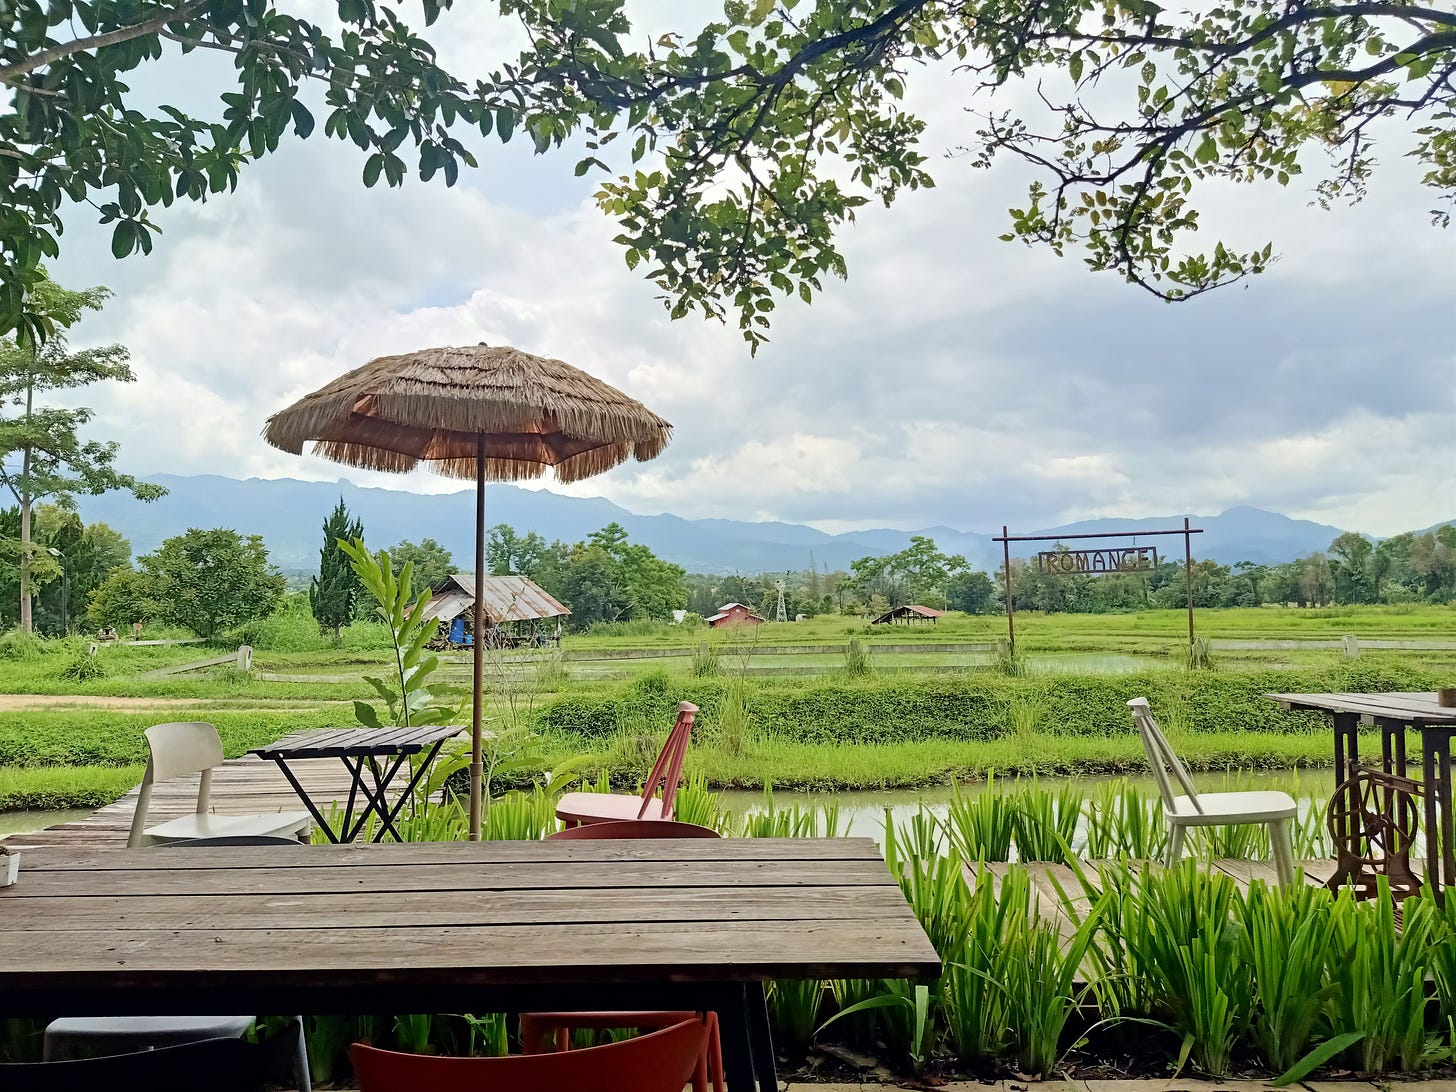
<point>289,515</point>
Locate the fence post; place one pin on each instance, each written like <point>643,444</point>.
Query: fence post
<point>245,658</point>
<point>1352,646</point>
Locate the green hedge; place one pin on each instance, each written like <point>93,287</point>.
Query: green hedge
<point>976,705</point>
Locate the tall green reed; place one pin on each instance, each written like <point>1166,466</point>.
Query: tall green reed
<point>979,824</point>
<point>1378,980</point>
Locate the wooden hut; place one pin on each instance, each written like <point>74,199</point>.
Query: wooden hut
<point>505,600</point>
<point>910,613</point>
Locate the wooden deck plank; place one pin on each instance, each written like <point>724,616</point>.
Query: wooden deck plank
<point>527,876</point>
<point>418,854</point>
<point>547,906</point>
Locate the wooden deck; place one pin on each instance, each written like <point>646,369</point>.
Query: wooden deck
<point>241,786</point>
<point>1047,878</point>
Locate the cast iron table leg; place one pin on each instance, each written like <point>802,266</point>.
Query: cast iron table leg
<point>1347,753</point>
<point>1436,767</point>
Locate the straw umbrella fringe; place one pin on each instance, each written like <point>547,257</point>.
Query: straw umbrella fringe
<point>481,412</point>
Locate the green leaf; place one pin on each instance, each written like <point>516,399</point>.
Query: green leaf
<point>1318,1056</point>
<point>123,238</point>
<point>364,713</point>
<point>1207,151</point>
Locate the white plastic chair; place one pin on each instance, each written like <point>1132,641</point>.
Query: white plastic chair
<point>1275,810</point>
<point>193,747</point>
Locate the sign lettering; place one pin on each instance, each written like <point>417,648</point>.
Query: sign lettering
<point>1123,559</point>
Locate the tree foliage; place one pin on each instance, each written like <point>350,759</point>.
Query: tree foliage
<point>748,143</point>
<point>920,573</point>
<point>431,562</point>
<point>41,451</point>
<point>606,578</point>
<point>124,597</point>
<point>209,581</point>
<point>333,595</point>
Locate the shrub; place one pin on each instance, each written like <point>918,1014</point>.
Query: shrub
<point>83,668</point>
<point>975,706</point>
<point>16,644</point>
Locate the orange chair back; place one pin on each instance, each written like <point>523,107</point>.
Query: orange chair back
<point>667,770</point>
<point>663,1061</point>
<point>635,828</point>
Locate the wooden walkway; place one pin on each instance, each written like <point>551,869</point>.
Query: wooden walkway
<point>240,786</point>
<point>1049,883</point>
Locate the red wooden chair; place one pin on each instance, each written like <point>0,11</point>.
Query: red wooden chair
<point>631,828</point>
<point>540,1031</point>
<point>577,808</point>
<point>660,1062</point>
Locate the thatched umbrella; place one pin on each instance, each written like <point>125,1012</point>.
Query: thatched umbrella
<point>491,413</point>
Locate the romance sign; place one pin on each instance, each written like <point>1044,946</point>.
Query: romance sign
<point>1124,559</point>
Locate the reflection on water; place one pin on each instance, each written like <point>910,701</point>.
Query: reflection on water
<point>863,811</point>
<point>23,822</point>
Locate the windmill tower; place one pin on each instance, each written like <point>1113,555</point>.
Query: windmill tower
<point>781,613</point>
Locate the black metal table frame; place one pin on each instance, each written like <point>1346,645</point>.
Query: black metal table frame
<point>1439,826</point>
<point>374,801</point>
<point>743,1022</point>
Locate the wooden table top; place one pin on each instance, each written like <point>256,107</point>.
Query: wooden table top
<point>1416,709</point>
<point>356,742</point>
<point>354,927</point>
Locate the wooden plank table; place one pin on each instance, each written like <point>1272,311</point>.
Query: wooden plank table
<point>360,749</point>
<point>456,927</point>
<point>1394,714</point>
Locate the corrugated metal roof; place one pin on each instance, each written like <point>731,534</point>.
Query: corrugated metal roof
<point>505,599</point>
<point>908,608</point>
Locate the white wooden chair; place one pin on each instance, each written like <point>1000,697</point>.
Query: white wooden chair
<point>193,747</point>
<point>1275,810</point>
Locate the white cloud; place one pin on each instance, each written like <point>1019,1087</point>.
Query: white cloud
<point>954,379</point>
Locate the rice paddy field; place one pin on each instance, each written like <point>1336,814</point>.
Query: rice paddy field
<point>831,704</point>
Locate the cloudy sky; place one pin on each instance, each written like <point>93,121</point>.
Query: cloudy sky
<point>953,379</point>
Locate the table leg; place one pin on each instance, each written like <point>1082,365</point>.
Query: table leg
<point>414,780</point>
<point>1440,844</point>
<point>307,803</point>
<point>376,798</point>
<point>761,1037</point>
<point>1347,753</point>
<point>352,826</point>
<point>731,1005</point>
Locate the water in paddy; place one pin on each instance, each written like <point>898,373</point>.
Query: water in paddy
<point>863,811</point>
<point>22,822</point>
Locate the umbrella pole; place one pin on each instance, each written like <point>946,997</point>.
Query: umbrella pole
<point>477,767</point>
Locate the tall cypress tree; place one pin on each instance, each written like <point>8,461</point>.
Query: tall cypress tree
<point>335,591</point>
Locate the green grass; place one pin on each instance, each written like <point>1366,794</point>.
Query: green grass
<point>54,787</point>
<point>1067,632</point>
<point>899,727</point>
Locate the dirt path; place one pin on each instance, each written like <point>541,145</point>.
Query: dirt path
<point>10,702</point>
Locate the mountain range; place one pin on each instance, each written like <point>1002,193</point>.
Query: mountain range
<point>289,515</point>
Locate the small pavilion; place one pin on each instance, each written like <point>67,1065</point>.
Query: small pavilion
<point>910,613</point>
